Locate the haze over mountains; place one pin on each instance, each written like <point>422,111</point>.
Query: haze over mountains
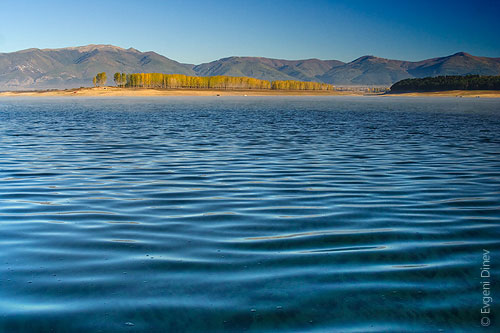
<point>75,66</point>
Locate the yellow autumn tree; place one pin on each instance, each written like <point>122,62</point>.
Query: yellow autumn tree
<point>100,79</point>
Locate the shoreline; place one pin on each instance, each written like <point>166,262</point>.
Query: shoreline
<point>151,92</point>
<point>449,93</point>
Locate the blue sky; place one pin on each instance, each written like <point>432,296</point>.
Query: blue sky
<point>202,31</point>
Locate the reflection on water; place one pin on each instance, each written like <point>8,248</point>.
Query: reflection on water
<point>247,214</point>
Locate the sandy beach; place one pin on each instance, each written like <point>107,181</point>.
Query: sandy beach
<point>138,92</point>
<point>146,92</point>
<point>451,93</point>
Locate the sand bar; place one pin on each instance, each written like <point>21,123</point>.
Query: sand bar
<point>145,92</point>
<point>451,93</point>
<point>138,92</point>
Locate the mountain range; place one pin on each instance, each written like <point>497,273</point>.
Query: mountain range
<point>75,66</point>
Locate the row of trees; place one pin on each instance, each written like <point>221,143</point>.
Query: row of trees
<point>120,79</point>
<point>100,79</point>
<point>454,82</point>
<point>300,85</point>
<point>159,80</point>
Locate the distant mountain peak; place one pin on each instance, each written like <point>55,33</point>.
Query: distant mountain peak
<point>28,50</point>
<point>89,48</point>
<point>365,58</point>
<point>462,54</point>
<point>76,66</point>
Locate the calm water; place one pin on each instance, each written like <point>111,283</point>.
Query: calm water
<point>248,214</point>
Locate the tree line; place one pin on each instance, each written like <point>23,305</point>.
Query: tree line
<point>451,82</point>
<point>299,85</point>
<point>165,81</point>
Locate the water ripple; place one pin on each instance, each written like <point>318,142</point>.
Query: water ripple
<point>247,214</point>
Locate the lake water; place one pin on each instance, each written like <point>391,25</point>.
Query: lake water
<point>284,214</point>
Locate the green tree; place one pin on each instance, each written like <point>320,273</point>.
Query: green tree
<point>450,82</point>
<point>118,79</point>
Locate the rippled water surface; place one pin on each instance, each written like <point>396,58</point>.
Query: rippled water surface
<point>247,214</point>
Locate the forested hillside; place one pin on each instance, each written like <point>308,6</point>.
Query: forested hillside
<point>452,82</point>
